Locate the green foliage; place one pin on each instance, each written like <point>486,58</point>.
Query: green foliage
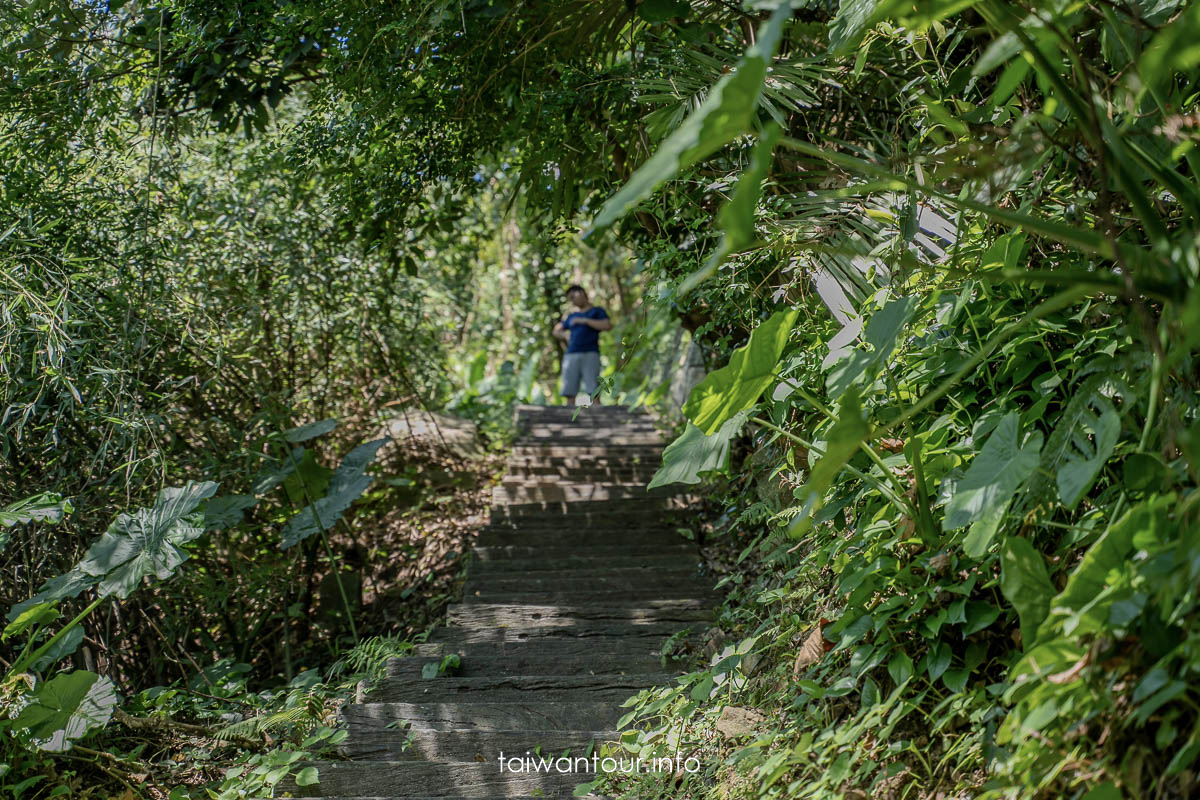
<point>694,454</point>
<point>64,709</point>
<point>736,387</point>
<point>148,542</point>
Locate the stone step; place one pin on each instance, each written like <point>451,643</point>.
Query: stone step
<point>589,579</point>
<point>516,688</point>
<point>613,513</point>
<point>530,616</point>
<point>608,450</point>
<point>597,654</point>
<point>609,597</point>
<point>481,715</point>
<point>568,534</point>
<point>468,745</point>
<point>620,476</point>
<point>568,493</point>
<point>403,779</point>
<point>655,633</point>
<point>566,558</point>
<point>589,547</point>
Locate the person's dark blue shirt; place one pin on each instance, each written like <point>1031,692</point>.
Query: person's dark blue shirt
<point>584,338</point>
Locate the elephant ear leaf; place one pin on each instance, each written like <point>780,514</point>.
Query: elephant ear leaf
<point>1004,463</point>
<point>67,708</point>
<point>148,541</point>
<point>45,507</point>
<point>346,485</point>
<point>736,387</point>
<point>693,454</point>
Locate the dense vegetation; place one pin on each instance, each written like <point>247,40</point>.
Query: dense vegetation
<point>942,257</point>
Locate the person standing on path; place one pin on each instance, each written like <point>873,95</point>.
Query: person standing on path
<point>580,329</point>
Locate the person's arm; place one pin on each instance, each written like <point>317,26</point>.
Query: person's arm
<point>601,324</point>
<point>560,332</point>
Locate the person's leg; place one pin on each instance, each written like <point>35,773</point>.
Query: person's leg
<point>590,373</point>
<point>570,377</point>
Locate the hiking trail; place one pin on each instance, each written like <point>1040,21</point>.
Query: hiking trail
<point>571,591</point>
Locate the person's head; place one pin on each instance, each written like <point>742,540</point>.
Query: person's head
<point>577,297</point>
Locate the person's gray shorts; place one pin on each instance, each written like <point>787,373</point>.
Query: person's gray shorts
<point>580,367</point>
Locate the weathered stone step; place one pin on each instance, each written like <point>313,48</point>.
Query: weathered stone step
<point>466,745</point>
<point>566,558</point>
<point>516,688</point>
<point>481,715</point>
<point>575,492</point>
<point>597,654</point>
<point>629,453</point>
<point>528,616</point>
<point>654,632</point>
<point>589,547</point>
<point>588,579</point>
<point>567,534</point>
<point>402,779</point>
<point>607,597</point>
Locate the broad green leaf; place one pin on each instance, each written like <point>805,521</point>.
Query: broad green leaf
<point>1175,48</point>
<point>1026,584</point>
<point>225,512</point>
<point>1087,457</point>
<point>1083,606</point>
<point>724,115</point>
<point>656,11</point>
<point>148,541</point>
<point>347,485</point>
<point>38,614</point>
<point>64,646</point>
<point>308,480</point>
<point>737,386</point>
<point>308,777</point>
<point>693,454</point>
<point>268,479</point>
<point>881,333</point>
<point>310,431</point>
<point>45,507</point>
<point>849,432</point>
<point>60,587</point>
<point>1082,440</point>
<point>66,708</point>
<point>736,218</point>
<point>994,475</point>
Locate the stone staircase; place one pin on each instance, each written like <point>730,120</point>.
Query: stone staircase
<point>572,590</point>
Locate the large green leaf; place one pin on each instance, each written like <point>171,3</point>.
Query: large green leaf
<point>845,436</point>
<point>310,431</point>
<point>994,475</point>
<point>60,587</point>
<point>1083,605</point>
<point>694,454</point>
<point>148,541</point>
<point>1175,48</point>
<point>736,387</point>
<point>882,332</point>
<point>66,708</point>
<point>37,614</point>
<point>724,115</point>
<point>347,485</point>
<point>1026,584</point>
<point>45,507</point>
<point>225,512</point>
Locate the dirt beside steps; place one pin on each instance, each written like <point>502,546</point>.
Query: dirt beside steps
<point>573,588</point>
